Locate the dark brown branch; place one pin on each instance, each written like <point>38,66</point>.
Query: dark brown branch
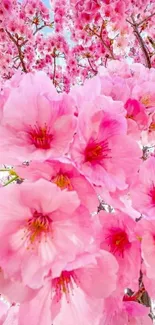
<point>19,50</point>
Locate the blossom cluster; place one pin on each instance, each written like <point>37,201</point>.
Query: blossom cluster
<point>71,39</point>
<point>77,205</point>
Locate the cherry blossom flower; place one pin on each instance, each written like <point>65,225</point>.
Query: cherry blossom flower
<point>43,226</point>
<point>77,291</point>
<point>36,126</point>
<point>136,115</point>
<point>65,176</point>
<point>119,312</point>
<point>143,189</point>
<point>103,152</point>
<point>118,237</point>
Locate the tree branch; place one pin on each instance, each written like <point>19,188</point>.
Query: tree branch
<point>108,48</point>
<point>20,54</point>
<point>54,71</point>
<point>91,66</point>
<point>147,18</point>
<point>38,29</point>
<point>104,44</point>
<point>141,42</point>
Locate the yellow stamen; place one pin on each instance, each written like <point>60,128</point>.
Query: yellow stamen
<point>145,100</point>
<point>152,127</point>
<point>37,226</point>
<point>63,182</point>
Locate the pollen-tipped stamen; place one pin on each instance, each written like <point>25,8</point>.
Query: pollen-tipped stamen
<point>96,151</point>
<point>62,181</point>
<point>37,226</point>
<point>41,137</point>
<point>65,284</point>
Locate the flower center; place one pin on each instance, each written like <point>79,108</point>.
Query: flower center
<point>152,127</point>
<point>96,151</point>
<point>65,284</point>
<point>118,241</point>
<point>63,181</point>
<point>130,116</point>
<point>145,100</point>
<point>36,20</point>
<point>41,137</point>
<point>37,225</point>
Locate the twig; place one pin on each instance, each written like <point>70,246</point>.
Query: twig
<point>19,46</point>
<point>143,21</point>
<point>95,71</point>
<point>141,42</point>
<point>38,29</point>
<point>104,44</point>
<point>108,48</point>
<point>19,50</point>
<point>54,71</point>
<point>41,27</point>
<point>130,22</point>
<point>106,59</point>
<point>11,180</point>
<point>82,66</point>
<point>102,27</point>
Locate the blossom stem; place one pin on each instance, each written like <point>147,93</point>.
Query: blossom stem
<point>104,44</point>
<point>38,29</point>
<point>54,71</point>
<point>141,42</point>
<point>147,18</point>
<point>11,180</point>
<point>20,54</point>
<point>91,66</point>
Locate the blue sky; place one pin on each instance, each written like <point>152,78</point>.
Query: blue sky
<point>46,2</point>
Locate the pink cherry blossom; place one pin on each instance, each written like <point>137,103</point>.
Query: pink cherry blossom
<point>103,152</point>
<point>118,237</point>
<point>36,126</point>
<point>150,135</point>
<point>14,291</point>
<point>146,232</point>
<point>77,155</point>
<point>76,292</point>
<point>143,190</point>
<point>145,94</point>
<point>43,226</point>
<point>136,116</point>
<point>100,33</point>
<point>64,175</point>
<point>119,312</point>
